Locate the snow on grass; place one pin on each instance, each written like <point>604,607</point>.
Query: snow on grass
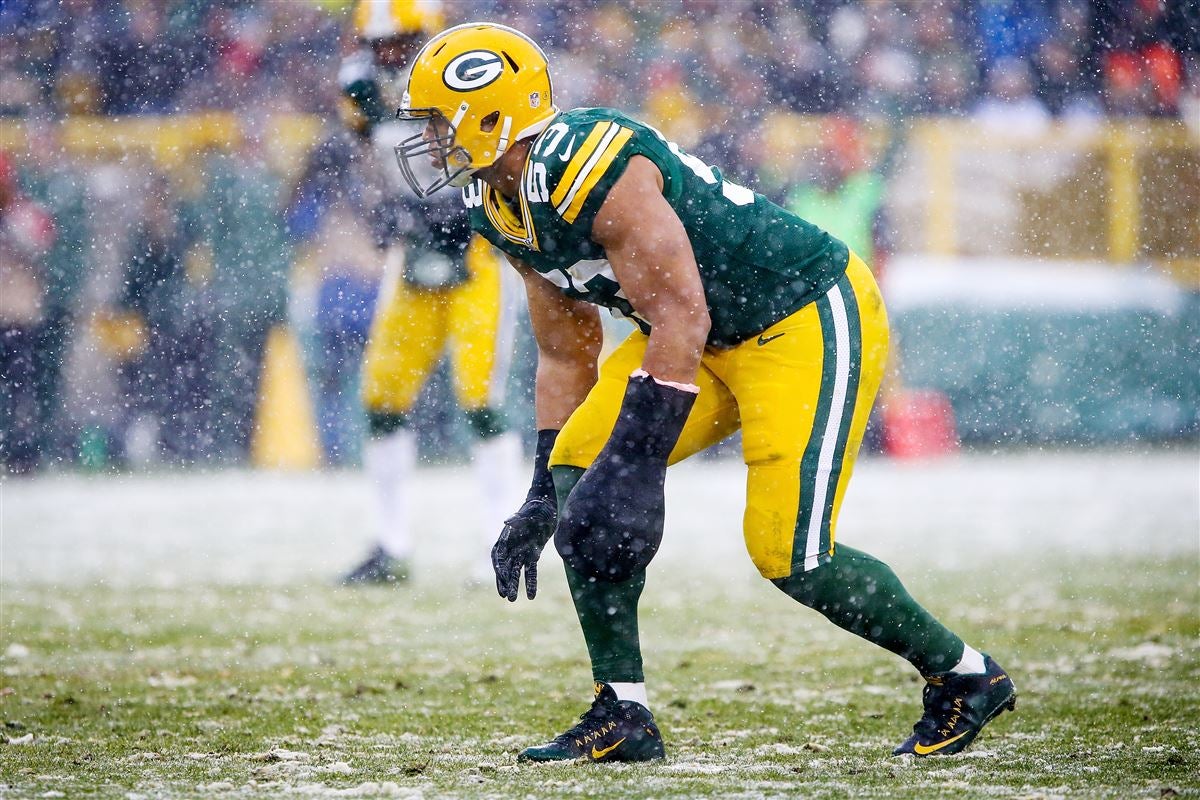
<point>179,636</point>
<point>232,527</point>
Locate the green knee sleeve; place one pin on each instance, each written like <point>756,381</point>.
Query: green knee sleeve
<point>565,478</point>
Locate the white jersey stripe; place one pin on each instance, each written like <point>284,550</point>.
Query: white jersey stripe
<point>833,426</point>
<point>609,135</point>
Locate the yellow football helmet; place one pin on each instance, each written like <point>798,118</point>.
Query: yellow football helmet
<point>384,19</point>
<point>474,89</point>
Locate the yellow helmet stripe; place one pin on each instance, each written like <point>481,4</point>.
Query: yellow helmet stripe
<point>596,172</point>
<point>577,163</point>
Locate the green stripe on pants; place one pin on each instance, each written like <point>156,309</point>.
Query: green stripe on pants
<point>809,463</point>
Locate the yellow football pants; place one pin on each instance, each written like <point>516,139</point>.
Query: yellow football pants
<point>412,328</point>
<point>801,393</point>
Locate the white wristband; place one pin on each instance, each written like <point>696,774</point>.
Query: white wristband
<point>683,387</point>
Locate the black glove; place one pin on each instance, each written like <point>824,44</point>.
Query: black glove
<point>526,532</point>
<point>520,545</point>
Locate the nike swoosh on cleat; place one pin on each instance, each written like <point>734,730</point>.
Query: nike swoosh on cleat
<point>923,750</point>
<point>599,754</point>
<point>764,339</point>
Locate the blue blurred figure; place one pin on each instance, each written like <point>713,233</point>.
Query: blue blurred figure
<point>343,320</point>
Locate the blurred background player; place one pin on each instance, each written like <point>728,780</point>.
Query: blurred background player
<point>442,287</point>
<point>26,235</point>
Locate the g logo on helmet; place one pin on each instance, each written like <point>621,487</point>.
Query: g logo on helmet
<point>473,70</point>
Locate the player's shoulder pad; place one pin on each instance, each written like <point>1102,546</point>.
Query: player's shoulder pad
<point>576,160</point>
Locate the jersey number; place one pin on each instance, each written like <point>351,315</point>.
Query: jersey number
<point>536,190</point>
<point>473,194</point>
<point>734,192</point>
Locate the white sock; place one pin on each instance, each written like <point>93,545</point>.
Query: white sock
<point>498,471</point>
<point>631,691</point>
<point>389,461</point>
<point>971,663</point>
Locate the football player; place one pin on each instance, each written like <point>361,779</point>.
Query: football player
<point>442,288</point>
<point>747,316</point>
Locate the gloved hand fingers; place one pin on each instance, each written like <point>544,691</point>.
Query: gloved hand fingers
<point>510,577</point>
<point>508,574</point>
<point>499,557</point>
<point>532,579</point>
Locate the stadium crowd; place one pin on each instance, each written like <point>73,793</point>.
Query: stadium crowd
<point>938,57</point>
<point>179,277</point>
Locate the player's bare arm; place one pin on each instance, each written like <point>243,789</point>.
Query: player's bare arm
<point>569,337</point>
<point>652,258</point>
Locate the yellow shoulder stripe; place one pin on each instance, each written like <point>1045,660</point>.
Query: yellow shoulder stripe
<point>578,196</point>
<point>505,220</point>
<point>500,215</point>
<point>578,161</point>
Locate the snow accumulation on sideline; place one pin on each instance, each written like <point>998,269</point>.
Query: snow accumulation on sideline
<point>1028,284</point>
<point>244,527</point>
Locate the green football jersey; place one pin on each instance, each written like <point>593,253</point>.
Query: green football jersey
<point>758,263</point>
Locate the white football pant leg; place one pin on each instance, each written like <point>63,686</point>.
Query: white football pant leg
<point>390,461</point>
<point>498,469</point>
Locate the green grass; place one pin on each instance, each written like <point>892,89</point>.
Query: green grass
<point>252,691</point>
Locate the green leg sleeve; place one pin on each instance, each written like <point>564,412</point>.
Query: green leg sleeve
<point>380,423</point>
<point>486,422</point>
<point>861,594</point>
<point>607,611</point>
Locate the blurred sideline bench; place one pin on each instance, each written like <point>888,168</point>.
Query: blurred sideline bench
<point>1028,352</point>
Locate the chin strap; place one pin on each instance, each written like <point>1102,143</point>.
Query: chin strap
<point>505,130</point>
<point>462,178</point>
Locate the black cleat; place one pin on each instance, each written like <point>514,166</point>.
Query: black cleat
<point>379,569</point>
<point>611,730</point>
<point>956,709</point>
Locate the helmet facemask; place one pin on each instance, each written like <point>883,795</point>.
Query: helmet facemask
<point>429,158</point>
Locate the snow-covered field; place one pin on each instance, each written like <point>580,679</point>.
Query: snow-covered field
<point>236,527</point>
<point>178,636</point>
